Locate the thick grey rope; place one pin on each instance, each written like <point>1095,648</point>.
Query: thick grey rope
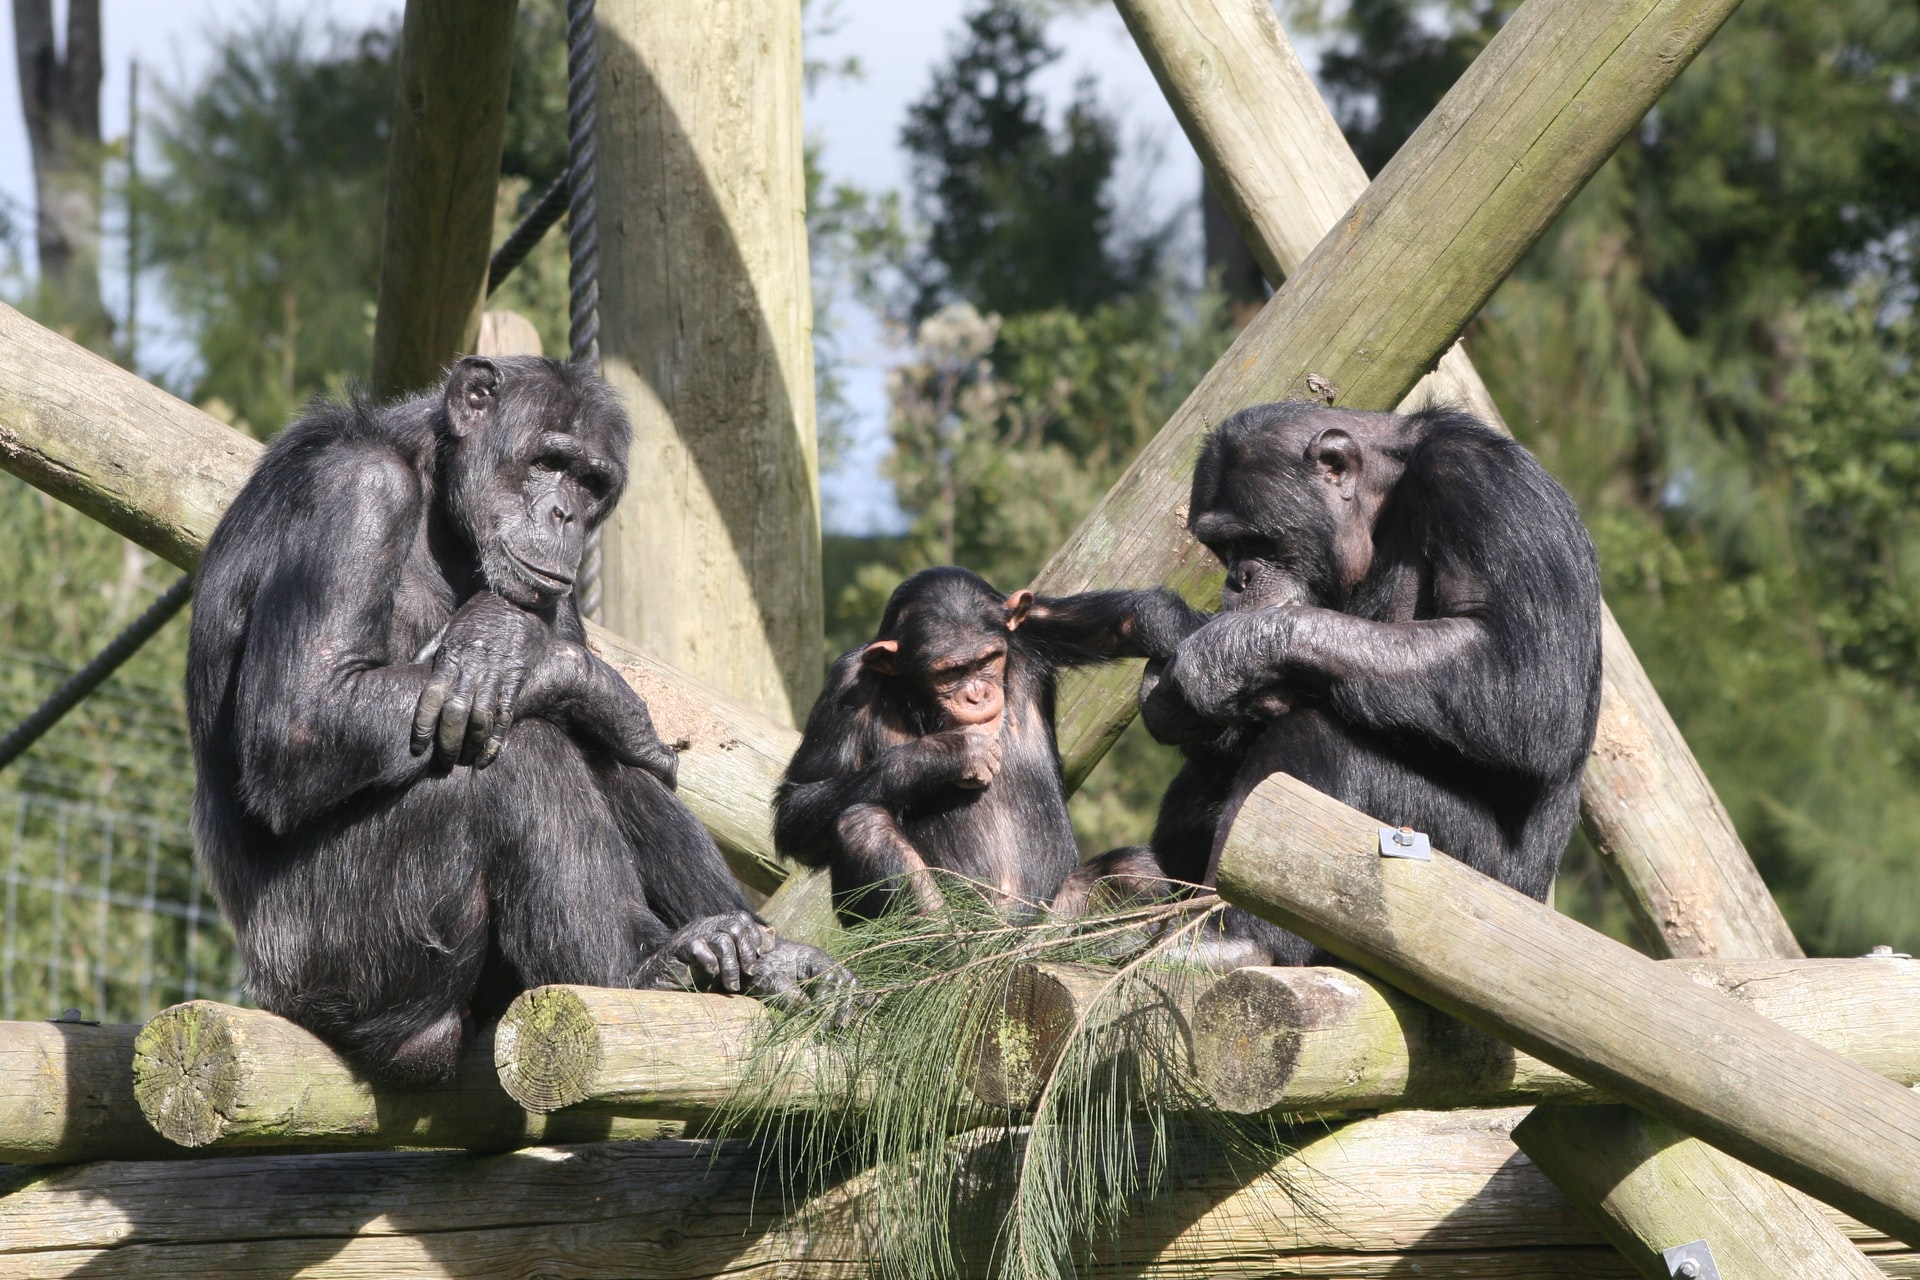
<point>583,241</point>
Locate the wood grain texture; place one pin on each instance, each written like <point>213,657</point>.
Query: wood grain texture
<point>1413,1193</point>
<point>211,1075</point>
<point>66,1094</point>
<point>160,472</point>
<point>1286,175</point>
<point>706,313</point>
<point>443,167</point>
<point>1292,1041</point>
<point>1666,1189</point>
<point>1642,1032</point>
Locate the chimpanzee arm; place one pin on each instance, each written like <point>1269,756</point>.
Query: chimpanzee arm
<point>321,707</point>
<point>1098,626</point>
<point>841,763</point>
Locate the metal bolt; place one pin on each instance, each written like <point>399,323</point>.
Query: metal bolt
<point>1690,1269</point>
<point>1404,836</point>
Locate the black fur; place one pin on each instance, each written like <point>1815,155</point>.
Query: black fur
<point>380,890</point>
<point>881,764</point>
<point>1411,624</point>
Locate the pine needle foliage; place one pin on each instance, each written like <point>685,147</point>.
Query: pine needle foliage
<point>945,1185</point>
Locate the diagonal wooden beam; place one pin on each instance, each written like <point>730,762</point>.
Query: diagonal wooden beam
<point>1371,308</point>
<point>160,472</point>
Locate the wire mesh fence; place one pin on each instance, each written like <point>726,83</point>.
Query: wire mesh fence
<point>105,913</point>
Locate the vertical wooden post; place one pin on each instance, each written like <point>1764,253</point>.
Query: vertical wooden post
<point>713,560</point>
<point>443,165</point>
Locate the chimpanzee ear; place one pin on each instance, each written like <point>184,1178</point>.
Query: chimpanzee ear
<point>881,656</point>
<point>1336,457</point>
<point>472,394</point>
<point>1017,606</point>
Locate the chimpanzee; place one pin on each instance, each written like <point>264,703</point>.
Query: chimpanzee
<point>1411,623</point>
<point>933,747</point>
<point>418,791</point>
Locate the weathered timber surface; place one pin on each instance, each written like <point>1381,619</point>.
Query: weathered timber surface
<point>1387,291</point>
<point>148,466</point>
<point>66,1095</point>
<point>443,163</point>
<point>715,564</point>
<point>160,472</point>
<point>1046,1005</point>
<point>211,1075</point>
<point>1667,1189</point>
<point>1638,1030</point>
<point>1287,175</point>
<point>1412,1193</point>
<point>1312,1040</point>
<point>668,1054</point>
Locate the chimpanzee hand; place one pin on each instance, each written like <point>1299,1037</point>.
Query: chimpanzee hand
<point>793,973</point>
<point>971,754</point>
<point>714,953</point>
<point>483,657</point>
<point>1228,670</point>
<point>577,691</point>
<point>1166,714</point>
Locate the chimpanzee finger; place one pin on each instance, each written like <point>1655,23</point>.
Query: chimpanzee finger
<point>728,950</point>
<point>490,751</point>
<point>426,714</point>
<point>701,955</point>
<point>480,720</point>
<point>453,719</point>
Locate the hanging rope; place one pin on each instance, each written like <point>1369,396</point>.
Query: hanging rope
<point>532,230</point>
<point>583,240</point>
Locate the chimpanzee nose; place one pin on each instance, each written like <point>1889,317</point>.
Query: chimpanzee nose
<point>561,514</point>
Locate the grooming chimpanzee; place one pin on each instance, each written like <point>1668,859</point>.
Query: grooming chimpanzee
<point>933,747</point>
<point>1411,624</point>
<point>418,791</point>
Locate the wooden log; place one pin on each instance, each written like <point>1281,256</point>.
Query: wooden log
<point>160,472</point>
<point>650,1053</point>
<point>443,168</point>
<point>211,1075</point>
<point>1305,1041</point>
<point>1582,1002</point>
<point>1412,1193</point>
<point>1047,1004</point>
<point>1387,291</point>
<point>1671,1190</point>
<point>1286,175</point>
<point>66,1095</point>
<point>707,315</point>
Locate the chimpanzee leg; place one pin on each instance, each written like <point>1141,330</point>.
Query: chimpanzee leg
<point>370,927</point>
<point>880,866</point>
<point>681,871</point>
<point>568,901</point>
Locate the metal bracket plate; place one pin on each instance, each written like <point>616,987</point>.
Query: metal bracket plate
<point>1691,1261</point>
<point>1405,842</point>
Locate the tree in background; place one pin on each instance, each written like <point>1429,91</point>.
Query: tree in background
<point>60,98</point>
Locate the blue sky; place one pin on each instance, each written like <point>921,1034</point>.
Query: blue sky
<point>856,120</point>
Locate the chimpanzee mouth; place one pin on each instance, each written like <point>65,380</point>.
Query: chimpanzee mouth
<point>540,579</point>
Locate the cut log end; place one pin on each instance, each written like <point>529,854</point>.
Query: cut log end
<point>1246,1037</point>
<point>188,1071</point>
<point>1024,1039</point>
<point>548,1049</point>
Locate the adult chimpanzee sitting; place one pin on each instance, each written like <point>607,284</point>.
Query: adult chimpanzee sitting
<point>932,747</point>
<point>1411,623</point>
<point>418,791</point>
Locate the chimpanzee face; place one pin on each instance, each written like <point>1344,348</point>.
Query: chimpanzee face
<point>1275,497</point>
<point>539,459</point>
<point>945,637</point>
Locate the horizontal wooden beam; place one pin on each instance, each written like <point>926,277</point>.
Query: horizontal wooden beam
<point>209,1075</point>
<point>1598,1010</point>
<point>66,1095</point>
<point>1432,1194</point>
<point>160,472</point>
<point>1304,1041</point>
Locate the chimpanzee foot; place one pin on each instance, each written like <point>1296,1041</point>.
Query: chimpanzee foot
<point>791,974</point>
<point>714,953</point>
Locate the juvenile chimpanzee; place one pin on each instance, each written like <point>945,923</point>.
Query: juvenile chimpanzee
<point>418,790</point>
<point>933,745</point>
<point>1411,624</point>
